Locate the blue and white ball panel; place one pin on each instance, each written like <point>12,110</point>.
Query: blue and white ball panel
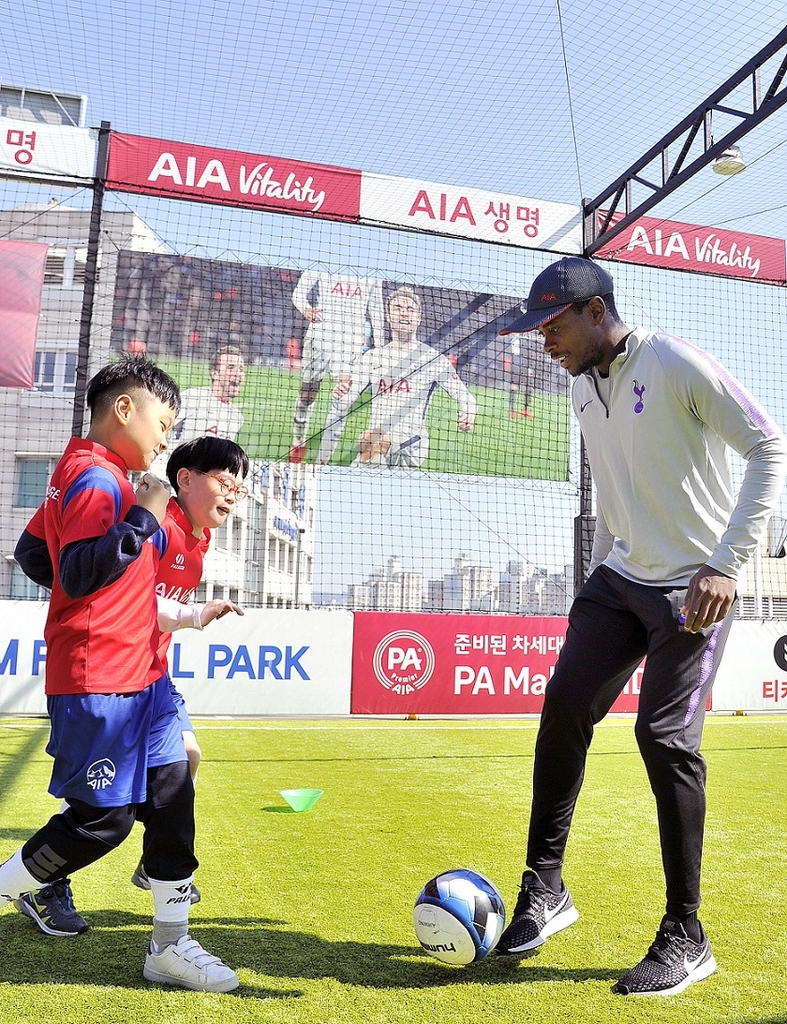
<point>443,935</point>
<point>459,916</point>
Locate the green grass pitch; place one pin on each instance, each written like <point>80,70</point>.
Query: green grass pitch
<point>315,910</point>
<point>498,445</point>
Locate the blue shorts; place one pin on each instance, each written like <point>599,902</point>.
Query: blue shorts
<point>104,743</point>
<point>180,707</point>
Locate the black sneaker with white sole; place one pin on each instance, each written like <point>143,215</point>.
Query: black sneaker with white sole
<point>538,913</point>
<point>672,963</point>
<point>52,910</point>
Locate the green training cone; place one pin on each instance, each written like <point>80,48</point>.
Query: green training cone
<point>301,799</point>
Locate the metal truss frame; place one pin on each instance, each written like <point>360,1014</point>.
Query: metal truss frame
<point>600,228</point>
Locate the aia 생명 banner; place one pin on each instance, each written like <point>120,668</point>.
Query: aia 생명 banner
<point>209,175</point>
<point>406,664</point>
<point>678,246</point>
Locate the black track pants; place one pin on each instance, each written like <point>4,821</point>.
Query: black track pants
<point>612,625</point>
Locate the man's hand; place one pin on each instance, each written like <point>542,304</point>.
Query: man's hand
<point>153,495</point>
<point>465,421</point>
<point>708,598</point>
<point>217,610</point>
<point>343,384</point>
<point>313,314</point>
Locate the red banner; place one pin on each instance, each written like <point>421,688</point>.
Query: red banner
<point>677,246</point>
<point>202,173</point>
<point>21,281</point>
<point>457,664</point>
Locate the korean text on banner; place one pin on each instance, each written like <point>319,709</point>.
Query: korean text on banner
<point>458,664</point>
<point>481,214</point>
<point>33,149</point>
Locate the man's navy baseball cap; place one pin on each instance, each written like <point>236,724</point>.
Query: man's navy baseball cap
<point>570,280</point>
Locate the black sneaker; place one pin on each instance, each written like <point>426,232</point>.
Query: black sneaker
<point>538,914</point>
<point>141,880</point>
<point>673,962</point>
<point>52,910</point>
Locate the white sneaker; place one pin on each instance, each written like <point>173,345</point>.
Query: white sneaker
<point>187,964</point>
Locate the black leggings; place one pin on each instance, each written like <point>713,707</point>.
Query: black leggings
<point>612,625</point>
<point>84,833</point>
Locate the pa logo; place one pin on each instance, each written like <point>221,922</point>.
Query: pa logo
<point>101,774</point>
<point>403,661</point>
<point>780,653</point>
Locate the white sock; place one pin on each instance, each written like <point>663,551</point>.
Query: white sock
<point>303,413</point>
<point>337,417</point>
<point>16,879</point>
<point>171,905</point>
<point>171,899</point>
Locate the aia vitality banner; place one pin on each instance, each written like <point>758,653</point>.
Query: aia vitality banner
<point>209,175</point>
<point>678,246</point>
<point>457,664</point>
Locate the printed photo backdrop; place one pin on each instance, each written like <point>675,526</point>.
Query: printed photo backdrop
<point>457,398</point>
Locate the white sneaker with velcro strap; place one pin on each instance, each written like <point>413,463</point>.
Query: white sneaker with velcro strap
<point>187,964</point>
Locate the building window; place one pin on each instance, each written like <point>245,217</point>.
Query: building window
<point>220,537</point>
<point>32,476</point>
<point>237,538</point>
<point>23,588</point>
<point>56,372</point>
<point>252,577</point>
<point>65,266</point>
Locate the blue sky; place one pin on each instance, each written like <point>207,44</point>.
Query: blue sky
<point>544,99</point>
<point>534,98</point>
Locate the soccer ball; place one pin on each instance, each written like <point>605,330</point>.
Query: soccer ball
<point>459,916</point>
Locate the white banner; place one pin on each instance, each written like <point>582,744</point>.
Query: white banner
<point>753,672</point>
<point>264,663</point>
<point>22,657</point>
<point>281,662</point>
<point>36,149</point>
<point>269,662</point>
<point>470,213</point>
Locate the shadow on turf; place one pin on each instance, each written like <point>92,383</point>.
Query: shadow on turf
<point>526,755</point>
<point>112,953</point>
<point>19,835</point>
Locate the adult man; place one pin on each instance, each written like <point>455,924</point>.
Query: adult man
<point>403,377</point>
<point>211,409</point>
<point>338,308</point>
<point>657,416</point>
